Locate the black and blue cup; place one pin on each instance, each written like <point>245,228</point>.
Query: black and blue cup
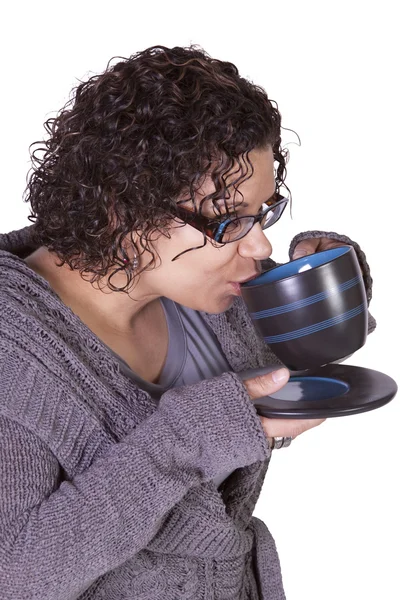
<point>311,311</point>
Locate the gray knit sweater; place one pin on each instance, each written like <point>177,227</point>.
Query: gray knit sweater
<point>105,494</point>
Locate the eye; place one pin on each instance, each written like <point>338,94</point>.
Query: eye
<point>232,227</point>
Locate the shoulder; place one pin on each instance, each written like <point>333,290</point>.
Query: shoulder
<point>46,388</point>
<point>29,309</point>
<point>18,281</point>
<point>18,241</point>
<point>42,350</point>
<point>55,374</point>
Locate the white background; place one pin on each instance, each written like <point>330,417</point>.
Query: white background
<point>331,500</point>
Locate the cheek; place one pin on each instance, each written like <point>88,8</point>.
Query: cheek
<point>222,260</point>
<point>198,265</point>
<point>212,265</point>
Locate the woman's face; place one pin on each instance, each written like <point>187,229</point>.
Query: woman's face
<point>207,279</point>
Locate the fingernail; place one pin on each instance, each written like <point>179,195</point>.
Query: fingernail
<point>297,255</point>
<point>280,375</point>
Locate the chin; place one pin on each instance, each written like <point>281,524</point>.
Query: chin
<point>220,306</point>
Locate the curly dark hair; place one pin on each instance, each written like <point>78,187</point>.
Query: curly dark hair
<point>132,140</point>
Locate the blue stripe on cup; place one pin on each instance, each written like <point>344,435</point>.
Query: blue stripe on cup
<point>278,310</point>
<point>292,335</point>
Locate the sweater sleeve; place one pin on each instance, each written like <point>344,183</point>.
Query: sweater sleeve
<point>57,537</point>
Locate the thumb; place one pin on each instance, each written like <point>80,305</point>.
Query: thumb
<point>304,248</point>
<point>266,384</point>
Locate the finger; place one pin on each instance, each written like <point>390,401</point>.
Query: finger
<point>266,384</point>
<point>305,247</point>
<point>288,427</point>
<point>326,243</point>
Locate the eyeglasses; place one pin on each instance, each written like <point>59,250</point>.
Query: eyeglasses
<point>228,230</point>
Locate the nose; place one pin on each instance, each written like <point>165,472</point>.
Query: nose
<point>255,244</point>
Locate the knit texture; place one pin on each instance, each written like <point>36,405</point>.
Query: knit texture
<point>105,494</point>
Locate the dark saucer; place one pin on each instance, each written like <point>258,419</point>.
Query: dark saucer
<point>334,390</point>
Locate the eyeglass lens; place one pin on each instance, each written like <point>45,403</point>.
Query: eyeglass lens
<point>238,228</point>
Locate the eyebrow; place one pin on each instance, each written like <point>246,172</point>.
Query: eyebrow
<point>246,205</point>
<point>241,205</point>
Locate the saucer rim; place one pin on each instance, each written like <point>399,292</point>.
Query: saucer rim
<point>379,390</point>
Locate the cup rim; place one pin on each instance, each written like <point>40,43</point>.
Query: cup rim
<point>251,284</point>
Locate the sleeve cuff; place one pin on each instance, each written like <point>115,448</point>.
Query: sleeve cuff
<point>217,423</point>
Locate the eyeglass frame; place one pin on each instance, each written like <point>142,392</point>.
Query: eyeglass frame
<point>210,227</point>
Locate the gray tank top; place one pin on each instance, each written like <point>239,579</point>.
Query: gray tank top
<point>194,354</point>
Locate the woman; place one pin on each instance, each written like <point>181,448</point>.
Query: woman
<point>131,456</point>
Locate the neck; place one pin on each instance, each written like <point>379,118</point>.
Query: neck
<point>95,304</point>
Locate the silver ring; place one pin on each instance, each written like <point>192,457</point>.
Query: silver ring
<point>280,442</point>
